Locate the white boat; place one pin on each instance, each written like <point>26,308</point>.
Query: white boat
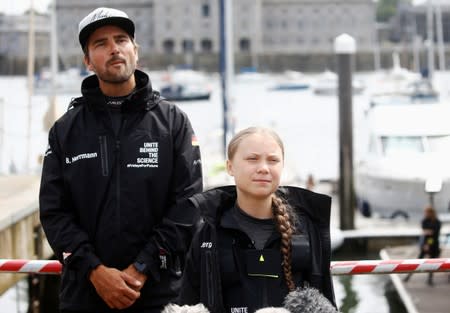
<point>407,165</point>
<point>183,85</point>
<point>291,81</point>
<point>417,92</point>
<point>185,92</point>
<point>327,84</point>
<point>399,82</point>
<point>66,82</point>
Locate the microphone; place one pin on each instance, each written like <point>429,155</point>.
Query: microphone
<point>175,308</point>
<point>308,300</point>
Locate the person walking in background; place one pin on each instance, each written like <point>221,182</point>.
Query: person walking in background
<point>119,168</point>
<point>258,241</point>
<point>429,240</point>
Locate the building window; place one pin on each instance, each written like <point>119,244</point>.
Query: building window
<point>188,45</point>
<point>206,45</point>
<point>244,44</point>
<point>168,46</point>
<point>205,10</point>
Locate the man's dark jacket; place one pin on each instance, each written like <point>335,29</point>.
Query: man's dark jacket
<point>218,273</point>
<point>118,198</point>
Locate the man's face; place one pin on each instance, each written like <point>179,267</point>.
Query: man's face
<point>112,54</point>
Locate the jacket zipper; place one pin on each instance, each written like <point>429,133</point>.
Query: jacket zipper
<point>209,277</point>
<point>103,155</point>
<point>118,163</point>
<point>264,297</point>
<point>118,173</point>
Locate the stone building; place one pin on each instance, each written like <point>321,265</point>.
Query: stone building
<point>14,41</point>
<point>409,33</point>
<point>268,34</point>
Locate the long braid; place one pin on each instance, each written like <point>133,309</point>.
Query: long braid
<point>286,229</point>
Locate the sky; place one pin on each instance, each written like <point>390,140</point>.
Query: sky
<point>20,6</point>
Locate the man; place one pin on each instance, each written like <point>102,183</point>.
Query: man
<point>119,168</point>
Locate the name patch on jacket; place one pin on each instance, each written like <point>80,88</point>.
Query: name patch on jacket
<point>82,156</point>
<point>148,156</point>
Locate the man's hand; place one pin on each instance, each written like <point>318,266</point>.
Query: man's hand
<point>142,278</point>
<point>118,289</point>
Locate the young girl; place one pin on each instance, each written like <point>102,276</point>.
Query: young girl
<point>257,241</point>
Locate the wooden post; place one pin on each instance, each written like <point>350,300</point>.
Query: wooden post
<point>345,47</point>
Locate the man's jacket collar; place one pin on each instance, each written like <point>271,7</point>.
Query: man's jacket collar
<point>141,98</point>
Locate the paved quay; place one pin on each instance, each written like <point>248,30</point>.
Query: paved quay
<point>19,223</point>
<point>377,232</point>
<point>18,197</point>
<point>386,235</point>
<point>416,294</point>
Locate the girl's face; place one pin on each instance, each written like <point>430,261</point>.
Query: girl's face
<point>256,166</point>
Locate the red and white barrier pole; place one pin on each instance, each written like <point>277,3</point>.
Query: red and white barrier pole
<point>30,266</point>
<point>390,266</point>
<point>337,267</point>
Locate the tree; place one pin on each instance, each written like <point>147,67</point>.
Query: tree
<point>386,9</point>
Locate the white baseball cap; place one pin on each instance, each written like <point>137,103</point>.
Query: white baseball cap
<point>101,17</point>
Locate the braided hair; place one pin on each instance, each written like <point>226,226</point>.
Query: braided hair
<point>285,223</point>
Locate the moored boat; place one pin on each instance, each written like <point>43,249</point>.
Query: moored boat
<point>327,84</point>
<point>185,92</point>
<point>408,151</point>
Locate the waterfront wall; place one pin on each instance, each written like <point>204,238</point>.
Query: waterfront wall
<point>210,62</point>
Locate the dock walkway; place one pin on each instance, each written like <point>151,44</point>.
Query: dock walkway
<point>20,233</point>
<point>416,294</point>
<point>18,197</point>
<point>377,232</point>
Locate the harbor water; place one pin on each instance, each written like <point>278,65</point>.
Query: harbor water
<point>307,123</point>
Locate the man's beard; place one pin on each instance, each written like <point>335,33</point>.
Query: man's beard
<point>117,77</point>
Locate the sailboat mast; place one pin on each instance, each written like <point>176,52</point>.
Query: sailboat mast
<point>53,49</point>
<point>430,40</point>
<point>30,75</point>
<point>51,114</point>
<point>226,64</point>
<point>440,37</point>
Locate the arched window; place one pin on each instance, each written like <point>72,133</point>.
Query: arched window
<point>168,46</point>
<point>188,45</point>
<point>244,44</point>
<point>205,10</point>
<point>206,45</point>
